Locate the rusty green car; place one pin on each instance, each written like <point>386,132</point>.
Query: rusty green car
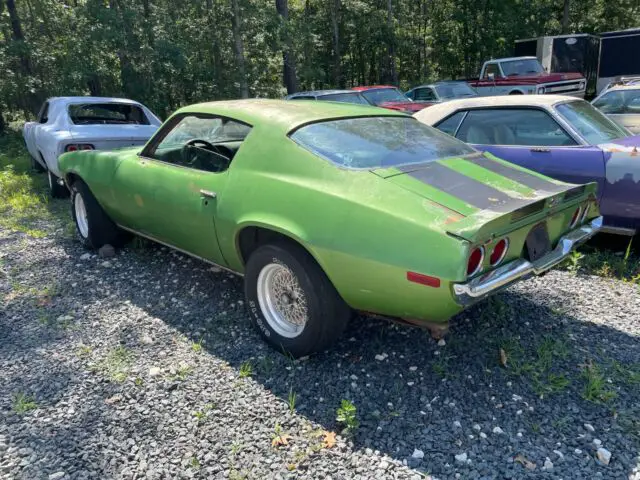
<point>330,208</point>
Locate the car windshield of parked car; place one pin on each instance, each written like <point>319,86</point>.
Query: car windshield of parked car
<point>455,90</point>
<point>376,96</point>
<point>354,97</point>
<point>619,102</point>
<point>212,130</point>
<point>590,123</point>
<point>378,142</point>
<point>107,113</point>
<point>521,67</point>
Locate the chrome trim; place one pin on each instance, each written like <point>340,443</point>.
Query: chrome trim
<point>153,239</point>
<point>480,287</point>
<point>619,230</point>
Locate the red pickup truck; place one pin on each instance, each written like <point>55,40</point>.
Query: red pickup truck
<point>525,75</point>
<point>388,96</point>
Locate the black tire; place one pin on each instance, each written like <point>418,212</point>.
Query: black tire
<point>100,228</point>
<point>327,313</point>
<point>57,190</point>
<point>35,165</point>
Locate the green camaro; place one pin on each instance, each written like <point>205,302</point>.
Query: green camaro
<point>327,208</point>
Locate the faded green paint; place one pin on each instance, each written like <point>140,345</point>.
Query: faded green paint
<point>366,231</point>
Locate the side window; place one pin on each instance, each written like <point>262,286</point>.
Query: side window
<point>202,142</point>
<point>43,115</point>
<point>424,95</point>
<point>619,102</point>
<point>451,124</point>
<point>491,68</point>
<point>526,127</point>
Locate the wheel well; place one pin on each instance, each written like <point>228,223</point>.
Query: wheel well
<point>251,238</point>
<point>515,92</point>
<point>71,178</point>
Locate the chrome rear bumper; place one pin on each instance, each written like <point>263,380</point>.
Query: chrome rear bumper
<point>501,277</point>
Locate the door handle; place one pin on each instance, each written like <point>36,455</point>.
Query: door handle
<point>541,150</point>
<point>207,194</point>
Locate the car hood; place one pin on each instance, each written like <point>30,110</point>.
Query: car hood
<point>411,107</point>
<point>481,189</point>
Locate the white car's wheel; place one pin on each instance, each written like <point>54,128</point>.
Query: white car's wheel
<point>57,190</point>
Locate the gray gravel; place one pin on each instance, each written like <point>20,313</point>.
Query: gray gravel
<point>133,367</point>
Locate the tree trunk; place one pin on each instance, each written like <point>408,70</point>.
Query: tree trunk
<point>238,48</point>
<point>391,52</point>
<point>3,124</point>
<point>565,16</point>
<point>288,58</point>
<point>338,81</point>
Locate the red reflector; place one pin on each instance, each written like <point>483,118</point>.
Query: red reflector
<point>86,147</point>
<point>475,261</point>
<point>72,148</point>
<point>423,279</point>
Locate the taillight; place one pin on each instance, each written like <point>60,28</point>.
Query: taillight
<point>475,261</point>
<point>499,252</point>
<point>74,147</point>
<point>575,218</point>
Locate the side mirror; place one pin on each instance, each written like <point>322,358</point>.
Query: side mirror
<point>491,77</point>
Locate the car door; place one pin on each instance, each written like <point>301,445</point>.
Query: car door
<point>531,138</point>
<point>172,190</point>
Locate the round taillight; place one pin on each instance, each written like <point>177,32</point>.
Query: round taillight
<point>499,252</point>
<point>575,218</point>
<point>72,148</point>
<point>87,147</point>
<point>475,261</point>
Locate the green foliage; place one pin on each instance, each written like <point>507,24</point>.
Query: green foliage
<point>23,403</point>
<point>596,388</point>
<point>171,53</point>
<point>346,415</point>
<point>246,369</point>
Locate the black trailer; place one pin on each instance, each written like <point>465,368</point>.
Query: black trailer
<point>600,58</point>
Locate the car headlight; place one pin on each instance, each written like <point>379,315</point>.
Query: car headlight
<point>583,85</point>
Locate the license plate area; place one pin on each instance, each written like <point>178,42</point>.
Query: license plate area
<point>538,243</point>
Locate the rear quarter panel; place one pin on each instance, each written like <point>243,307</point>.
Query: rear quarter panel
<point>364,232</point>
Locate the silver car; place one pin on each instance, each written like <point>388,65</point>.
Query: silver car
<point>622,105</point>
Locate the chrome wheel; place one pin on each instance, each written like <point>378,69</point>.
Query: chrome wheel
<point>282,300</point>
<point>81,215</point>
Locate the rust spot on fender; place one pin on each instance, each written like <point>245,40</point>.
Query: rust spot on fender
<point>138,200</point>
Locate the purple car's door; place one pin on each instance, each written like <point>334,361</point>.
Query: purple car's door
<point>569,164</point>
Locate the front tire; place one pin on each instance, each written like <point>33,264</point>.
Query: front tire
<point>93,225</point>
<point>57,190</point>
<point>291,301</point>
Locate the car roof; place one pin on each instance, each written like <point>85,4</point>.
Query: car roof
<point>319,93</point>
<point>88,99</point>
<point>372,87</point>
<point>507,59</point>
<point>441,82</point>
<point>285,115</point>
<point>432,114</point>
<point>623,87</point>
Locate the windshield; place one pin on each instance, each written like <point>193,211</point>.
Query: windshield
<point>345,98</point>
<point>378,142</point>
<point>619,102</point>
<point>106,113</point>
<point>589,122</point>
<point>376,96</point>
<point>521,67</point>
<point>455,90</point>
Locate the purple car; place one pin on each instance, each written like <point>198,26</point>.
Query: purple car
<point>558,136</point>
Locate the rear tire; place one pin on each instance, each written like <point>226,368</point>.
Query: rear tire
<point>292,302</point>
<point>57,190</point>
<point>93,226</point>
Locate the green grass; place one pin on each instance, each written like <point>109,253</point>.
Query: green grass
<point>596,388</point>
<point>197,346</point>
<point>25,205</point>
<point>23,403</point>
<point>621,264</point>
<point>246,369</point>
<point>292,400</point>
<point>116,364</point>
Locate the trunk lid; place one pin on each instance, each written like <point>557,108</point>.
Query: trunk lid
<point>411,107</point>
<point>109,137</point>
<point>486,195</point>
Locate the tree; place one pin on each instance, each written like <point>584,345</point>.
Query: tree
<point>238,48</point>
<point>288,57</point>
<point>565,16</point>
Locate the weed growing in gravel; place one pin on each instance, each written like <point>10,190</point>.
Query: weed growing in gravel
<point>596,389</point>
<point>572,262</point>
<point>201,415</point>
<point>236,447</point>
<point>22,403</point>
<point>197,346</point>
<point>346,415</point>
<point>608,263</point>
<point>629,375</point>
<point>292,400</point>
<point>182,372</point>
<point>195,463</point>
<point>138,382</point>
<point>83,351</point>
<point>266,365</point>
<point>246,369</point>
<point>116,364</point>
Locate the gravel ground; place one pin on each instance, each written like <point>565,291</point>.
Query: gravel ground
<point>136,367</point>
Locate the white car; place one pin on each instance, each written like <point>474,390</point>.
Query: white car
<point>66,124</point>
<point>622,105</point>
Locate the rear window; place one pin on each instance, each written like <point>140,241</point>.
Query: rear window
<point>107,113</point>
<point>378,142</point>
<point>345,98</point>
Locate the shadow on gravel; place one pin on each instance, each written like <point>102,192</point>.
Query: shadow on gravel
<point>535,371</point>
